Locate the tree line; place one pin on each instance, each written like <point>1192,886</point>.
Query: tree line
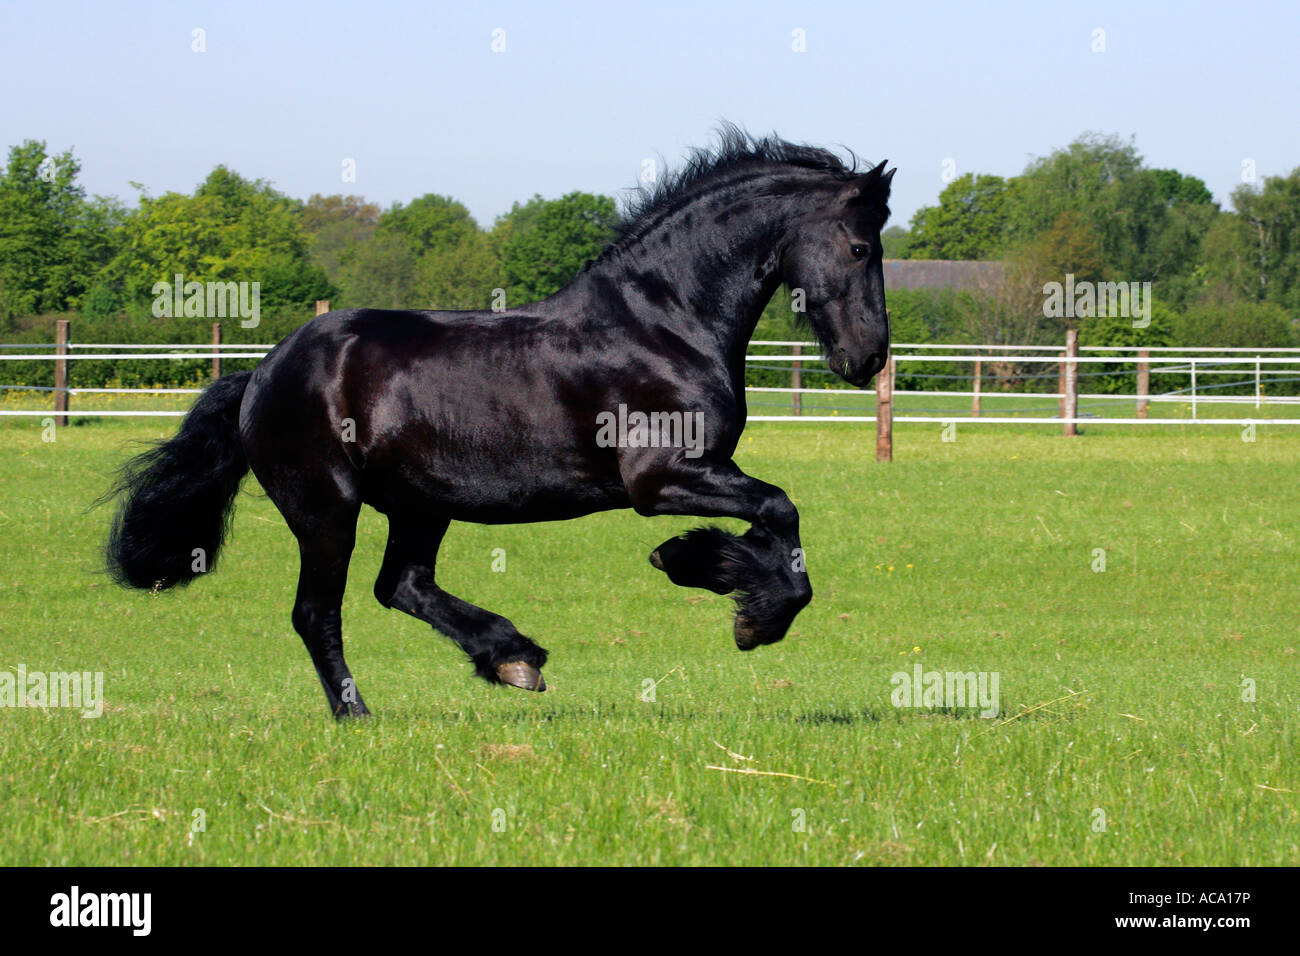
<point>64,252</point>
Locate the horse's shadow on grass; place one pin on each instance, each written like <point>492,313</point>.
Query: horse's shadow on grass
<point>817,717</point>
<point>861,715</point>
<point>866,715</point>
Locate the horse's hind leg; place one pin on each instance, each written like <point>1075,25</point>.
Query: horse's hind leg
<point>318,614</point>
<point>323,517</point>
<point>406,582</point>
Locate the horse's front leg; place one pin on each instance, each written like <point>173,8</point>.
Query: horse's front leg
<point>763,568</point>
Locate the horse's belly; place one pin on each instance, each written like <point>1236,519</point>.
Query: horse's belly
<point>536,505</point>
<point>519,492</point>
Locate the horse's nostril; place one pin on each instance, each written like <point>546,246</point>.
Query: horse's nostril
<point>839,362</point>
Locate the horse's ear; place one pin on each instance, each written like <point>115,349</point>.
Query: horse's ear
<point>885,181</point>
<point>871,186</point>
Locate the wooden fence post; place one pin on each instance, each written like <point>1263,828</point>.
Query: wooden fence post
<point>1060,387</point>
<point>61,334</point>
<point>796,381</point>
<point>885,412</point>
<point>975,400</point>
<point>216,352</point>
<point>1071,382</point>
<point>322,306</point>
<point>1144,382</point>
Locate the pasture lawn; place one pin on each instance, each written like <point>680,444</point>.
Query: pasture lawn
<point>1124,737</point>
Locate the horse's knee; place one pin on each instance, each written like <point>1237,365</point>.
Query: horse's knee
<point>405,587</point>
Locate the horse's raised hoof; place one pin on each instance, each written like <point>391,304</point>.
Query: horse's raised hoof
<point>521,674</point>
<point>746,633</point>
<point>657,561</point>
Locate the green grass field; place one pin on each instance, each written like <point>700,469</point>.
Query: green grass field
<point>1149,712</point>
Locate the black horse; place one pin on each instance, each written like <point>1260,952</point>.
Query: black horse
<point>624,389</point>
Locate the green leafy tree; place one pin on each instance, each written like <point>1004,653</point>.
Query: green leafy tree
<point>1117,330</point>
<point>231,229</point>
<point>970,221</point>
<point>1084,177</point>
<point>1177,188</point>
<point>894,242</point>
<point>1253,253</point>
<point>52,239</point>
<point>380,273</point>
<point>1149,222</point>
<point>429,223</point>
<point>1235,324</point>
<point>319,212</point>
<point>427,254</point>
<point>1069,246</point>
<point>547,242</point>
<point>518,220</point>
<point>1177,251</point>
<point>466,275</point>
<point>335,224</point>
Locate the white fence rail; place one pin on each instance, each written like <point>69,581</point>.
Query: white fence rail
<point>1194,362</point>
<point>1259,365</point>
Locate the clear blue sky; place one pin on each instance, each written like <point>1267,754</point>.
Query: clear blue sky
<point>585,91</point>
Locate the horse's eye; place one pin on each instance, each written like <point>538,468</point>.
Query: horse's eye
<point>859,250</point>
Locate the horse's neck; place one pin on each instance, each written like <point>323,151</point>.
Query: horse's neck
<point>718,288</point>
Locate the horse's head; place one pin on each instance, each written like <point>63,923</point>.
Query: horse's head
<point>832,265</point>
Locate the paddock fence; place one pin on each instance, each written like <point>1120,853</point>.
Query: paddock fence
<point>1002,383</point>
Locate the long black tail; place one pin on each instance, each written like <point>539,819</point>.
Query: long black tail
<point>178,496</point>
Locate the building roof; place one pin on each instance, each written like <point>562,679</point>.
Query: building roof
<point>942,274</point>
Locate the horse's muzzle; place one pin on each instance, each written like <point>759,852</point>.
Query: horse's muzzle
<point>858,374</point>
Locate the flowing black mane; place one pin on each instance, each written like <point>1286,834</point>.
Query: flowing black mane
<point>736,150</point>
